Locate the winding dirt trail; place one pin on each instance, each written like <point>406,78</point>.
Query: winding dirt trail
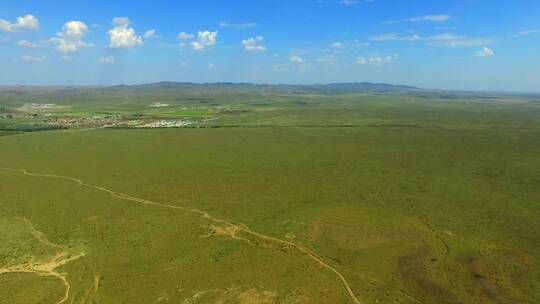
<point>230,226</point>
<point>46,268</point>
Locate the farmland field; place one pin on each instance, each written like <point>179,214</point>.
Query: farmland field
<point>269,197</point>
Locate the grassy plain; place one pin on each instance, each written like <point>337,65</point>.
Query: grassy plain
<point>412,199</point>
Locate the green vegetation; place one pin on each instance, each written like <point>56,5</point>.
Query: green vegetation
<point>413,198</point>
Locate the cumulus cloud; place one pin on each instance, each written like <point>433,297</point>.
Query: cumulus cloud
<point>71,37</point>
<point>122,36</point>
<point>27,44</point>
<point>375,60</point>
<point>452,40</point>
<point>149,34</point>
<point>107,59</point>
<point>252,44</point>
<point>29,58</point>
<point>24,23</point>
<point>296,59</point>
<point>485,52</point>
<point>205,40</point>
<point>238,26</point>
<point>396,37</point>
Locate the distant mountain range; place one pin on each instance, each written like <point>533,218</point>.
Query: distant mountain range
<point>352,86</point>
<point>230,86</point>
<point>332,87</point>
<point>240,87</point>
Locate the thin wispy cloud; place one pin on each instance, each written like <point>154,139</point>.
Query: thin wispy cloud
<point>453,40</point>
<point>149,34</point>
<point>396,37</point>
<point>238,26</point>
<point>426,18</point>
<point>28,44</point>
<point>107,59</point>
<point>353,2</point>
<point>376,61</point>
<point>296,59</point>
<point>528,33</point>
<point>327,59</point>
<point>184,36</point>
<point>30,58</point>
<point>336,45</point>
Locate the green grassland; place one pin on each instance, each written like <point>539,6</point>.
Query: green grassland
<point>413,199</point>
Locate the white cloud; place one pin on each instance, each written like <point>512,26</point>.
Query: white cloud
<point>396,37</point>
<point>149,34</point>
<point>430,18</point>
<point>238,26</point>
<point>485,52</point>
<point>336,45</point>
<point>27,44</point>
<point>452,40</point>
<point>251,44</point>
<point>361,61</point>
<point>528,33</point>
<point>28,23</point>
<point>205,40</point>
<point>184,64</point>
<point>71,37</point>
<point>184,36</point>
<point>211,66</point>
<point>122,36</point>
<point>348,2</point>
<point>296,59</point>
<point>120,21</point>
<point>376,60</point>
<point>29,58</point>
<point>426,18</point>
<point>107,59</point>
<point>379,61</point>
<point>328,59</point>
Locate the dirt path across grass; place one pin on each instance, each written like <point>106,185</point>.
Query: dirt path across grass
<point>231,226</point>
<point>48,267</point>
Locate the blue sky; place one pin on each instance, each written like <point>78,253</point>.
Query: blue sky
<point>452,44</point>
